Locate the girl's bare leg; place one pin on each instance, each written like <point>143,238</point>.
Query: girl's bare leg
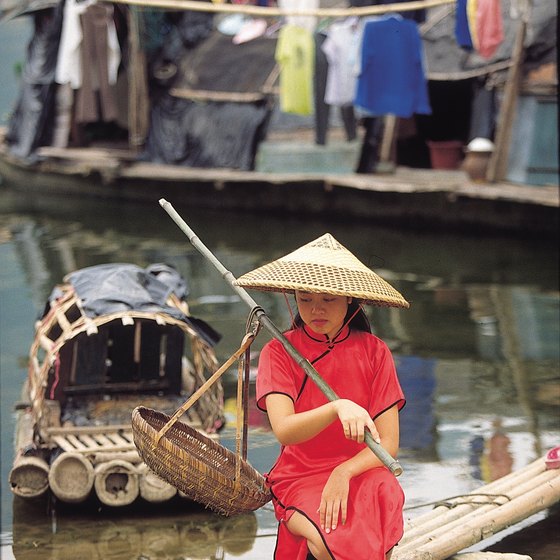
<point>301,526</point>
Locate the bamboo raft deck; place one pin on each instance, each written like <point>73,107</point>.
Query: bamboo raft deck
<point>460,522</point>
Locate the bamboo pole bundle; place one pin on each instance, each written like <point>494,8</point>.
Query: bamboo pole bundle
<point>457,511</point>
<point>461,522</point>
<point>456,507</point>
<point>459,528</point>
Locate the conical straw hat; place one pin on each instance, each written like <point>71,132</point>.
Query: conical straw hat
<point>323,266</point>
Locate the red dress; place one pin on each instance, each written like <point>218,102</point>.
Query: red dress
<point>359,367</point>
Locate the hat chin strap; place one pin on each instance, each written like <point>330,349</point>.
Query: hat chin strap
<point>346,323</point>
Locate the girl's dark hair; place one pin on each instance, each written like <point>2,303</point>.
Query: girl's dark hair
<point>359,322</point>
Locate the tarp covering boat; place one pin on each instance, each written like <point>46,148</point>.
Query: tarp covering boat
<point>115,288</point>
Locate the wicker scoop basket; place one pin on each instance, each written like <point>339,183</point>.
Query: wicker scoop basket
<point>205,471</point>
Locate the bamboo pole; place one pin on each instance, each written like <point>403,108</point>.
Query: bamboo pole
<point>262,11</point>
<point>217,96</point>
<point>490,556</point>
<point>479,527</point>
<point>392,464</point>
<point>436,537</point>
<point>457,506</point>
<point>459,519</point>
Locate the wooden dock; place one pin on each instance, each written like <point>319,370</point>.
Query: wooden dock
<point>404,197</point>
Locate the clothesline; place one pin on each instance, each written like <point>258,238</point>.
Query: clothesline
<point>262,11</point>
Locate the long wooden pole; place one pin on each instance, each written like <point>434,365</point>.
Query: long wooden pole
<point>392,464</point>
<point>497,166</point>
<point>264,11</point>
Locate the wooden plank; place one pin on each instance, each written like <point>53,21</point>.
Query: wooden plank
<point>104,441</point>
<point>119,441</point>
<point>63,443</point>
<point>76,442</point>
<point>89,441</point>
<point>88,429</point>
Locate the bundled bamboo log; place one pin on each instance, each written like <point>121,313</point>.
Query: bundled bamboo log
<point>71,477</point>
<point>29,478</point>
<point>116,483</point>
<point>463,521</point>
<point>456,508</point>
<point>153,488</point>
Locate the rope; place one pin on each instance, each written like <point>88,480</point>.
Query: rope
<point>201,390</point>
<point>253,324</point>
<point>448,504</point>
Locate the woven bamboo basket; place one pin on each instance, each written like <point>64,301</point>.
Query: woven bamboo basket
<point>205,471</point>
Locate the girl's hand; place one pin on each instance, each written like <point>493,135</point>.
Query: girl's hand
<point>334,500</point>
<point>354,420</point>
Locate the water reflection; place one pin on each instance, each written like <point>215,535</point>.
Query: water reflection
<point>477,353</point>
<point>170,534</point>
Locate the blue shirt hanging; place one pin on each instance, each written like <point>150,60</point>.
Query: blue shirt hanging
<point>392,79</point>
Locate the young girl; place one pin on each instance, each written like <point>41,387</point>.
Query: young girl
<point>332,496</point>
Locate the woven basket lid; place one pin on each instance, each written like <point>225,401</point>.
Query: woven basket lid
<point>323,266</point>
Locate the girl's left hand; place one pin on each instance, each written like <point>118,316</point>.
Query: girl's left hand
<point>334,501</point>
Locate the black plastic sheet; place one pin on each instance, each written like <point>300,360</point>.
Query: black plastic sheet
<point>222,135</point>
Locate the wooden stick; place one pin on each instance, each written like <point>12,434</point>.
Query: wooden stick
<point>498,160</point>
<point>218,96</point>
<point>388,138</point>
<point>392,464</point>
<point>262,11</point>
<point>211,380</point>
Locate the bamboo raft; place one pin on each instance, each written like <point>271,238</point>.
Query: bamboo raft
<point>86,373</point>
<point>460,522</point>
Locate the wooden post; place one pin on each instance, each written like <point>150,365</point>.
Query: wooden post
<point>497,166</point>
<point>388,138</point>
<point>138,101</point>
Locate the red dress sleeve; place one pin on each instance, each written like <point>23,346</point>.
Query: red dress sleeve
<point>277,374</point>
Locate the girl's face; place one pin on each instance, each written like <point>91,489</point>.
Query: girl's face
<point>322,313</point>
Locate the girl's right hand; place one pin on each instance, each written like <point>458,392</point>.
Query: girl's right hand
<point>355,419</point>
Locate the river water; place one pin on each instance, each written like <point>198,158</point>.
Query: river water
<point>477,355</point>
